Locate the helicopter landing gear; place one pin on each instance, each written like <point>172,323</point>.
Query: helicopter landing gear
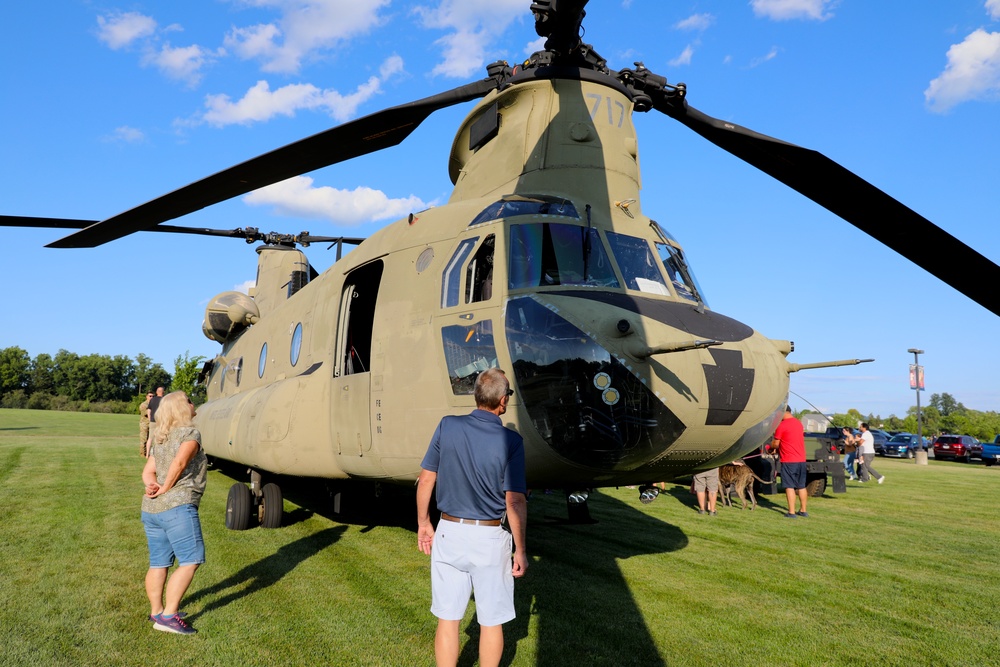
<point>238,506</point>
<point>241,501</point>
<point>270,508</point>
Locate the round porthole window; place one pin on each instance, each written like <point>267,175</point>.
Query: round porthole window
<point>296,344</point>
<point>263,361</point>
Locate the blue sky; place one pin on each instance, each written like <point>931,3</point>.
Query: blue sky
<point>108,105</point>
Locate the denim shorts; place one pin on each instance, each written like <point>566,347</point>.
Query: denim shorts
<point>174,533</point>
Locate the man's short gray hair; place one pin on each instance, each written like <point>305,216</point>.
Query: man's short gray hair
<point>491,387</point>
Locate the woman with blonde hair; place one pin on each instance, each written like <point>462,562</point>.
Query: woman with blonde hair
<point>174,477</point>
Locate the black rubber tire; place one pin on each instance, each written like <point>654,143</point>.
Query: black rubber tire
<point>271,506</point>
<point>909,453</point>
<point>967,458</point>
<point>816,487</point>
<point>238,507</point>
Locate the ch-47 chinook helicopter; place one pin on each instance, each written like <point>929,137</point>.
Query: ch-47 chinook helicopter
<point>542,262</point>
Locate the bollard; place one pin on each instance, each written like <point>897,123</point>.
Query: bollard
<point>921,458</point>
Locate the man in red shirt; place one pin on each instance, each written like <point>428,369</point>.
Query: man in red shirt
<point>789,439</point>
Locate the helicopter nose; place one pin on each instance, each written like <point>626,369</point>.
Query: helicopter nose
<point>583,402</point>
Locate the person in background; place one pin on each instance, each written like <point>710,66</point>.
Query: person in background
<point>850,452</point>
<point>707,481</point>
<point>790,441</point>
<point>866,455</point>
<point>154,404</point>
<point>475,467</point>
<point>174,478</point>
<point>144,424</point>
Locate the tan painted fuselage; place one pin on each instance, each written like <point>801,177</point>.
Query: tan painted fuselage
<point>540,264</point>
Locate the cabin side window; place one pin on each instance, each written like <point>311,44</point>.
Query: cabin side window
<point>296,348</point>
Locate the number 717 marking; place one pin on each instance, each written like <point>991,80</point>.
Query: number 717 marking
<point>612,106</point>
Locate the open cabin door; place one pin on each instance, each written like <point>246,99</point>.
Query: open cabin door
<point>350,400</point>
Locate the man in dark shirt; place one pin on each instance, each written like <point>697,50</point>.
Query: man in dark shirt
<point>154,403</point>
<point>477,466</point>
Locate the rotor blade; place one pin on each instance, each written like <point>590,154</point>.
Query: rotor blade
<point>48,223</point>
<point>250,234</point>
<point>855,200</point>
<point>371,133</point>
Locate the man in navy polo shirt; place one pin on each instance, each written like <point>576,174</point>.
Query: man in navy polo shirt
<point>477,466</point>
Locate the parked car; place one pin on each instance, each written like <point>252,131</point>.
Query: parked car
<point>902,445</point>
<point>880,437</point>
<point>991,452</point>
<point>963,447</point>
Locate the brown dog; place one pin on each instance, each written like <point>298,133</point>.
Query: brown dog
<point>741,478</point>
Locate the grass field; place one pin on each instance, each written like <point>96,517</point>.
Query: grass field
<point>897,574</point>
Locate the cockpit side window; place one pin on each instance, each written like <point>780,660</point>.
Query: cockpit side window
<point>678,270</point>
<point>638,266</point>
<point>451,279</point>
<point>546,254</point>
<point>468,351</point>
<point>479,273</point>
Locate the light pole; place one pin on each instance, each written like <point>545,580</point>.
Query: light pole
<point>921,456</point>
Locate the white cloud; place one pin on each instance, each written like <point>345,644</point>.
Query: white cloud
<point>697,22</point>
<point>297,197</point>
<point>534,46</point>
<point>972,72</point>
<point>993,9</point>
<point>684,58</point>
<point>305,26</point>
<point>476,24</point>
<point>245,286</point>
<point>260,103</point>
<point>119,30</point>
<point>771,55</point>
<point>785,10</point>
<point>182,63</point>
<point>126,135</point>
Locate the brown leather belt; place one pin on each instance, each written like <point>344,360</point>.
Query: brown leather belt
<point>475,522</point>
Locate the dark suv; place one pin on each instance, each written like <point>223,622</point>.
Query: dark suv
<point>963,447</point>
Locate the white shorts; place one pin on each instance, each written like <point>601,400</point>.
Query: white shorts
<point>467,558</point>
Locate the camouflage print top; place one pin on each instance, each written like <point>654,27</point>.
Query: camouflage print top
<point>191,484</point>
<point>143,418</point>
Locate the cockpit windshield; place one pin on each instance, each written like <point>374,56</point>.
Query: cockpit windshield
<point>637,264</point>
<point>546,254</point>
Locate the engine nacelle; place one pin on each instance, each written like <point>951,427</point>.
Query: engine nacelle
<point>228,315</point>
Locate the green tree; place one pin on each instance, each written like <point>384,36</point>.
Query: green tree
<point>186,371</point>
<point>149,375</point>
<point>42,379</point>
<point>945,403</point>
<point>14,369</point>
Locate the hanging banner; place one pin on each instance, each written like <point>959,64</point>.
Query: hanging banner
<point>916,377</point>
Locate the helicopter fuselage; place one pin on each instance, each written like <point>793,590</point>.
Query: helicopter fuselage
<point>542,263</point>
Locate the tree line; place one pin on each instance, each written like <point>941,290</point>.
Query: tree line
<point>90,383</point>
<point>942,414</point>
<point>102,383</point>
